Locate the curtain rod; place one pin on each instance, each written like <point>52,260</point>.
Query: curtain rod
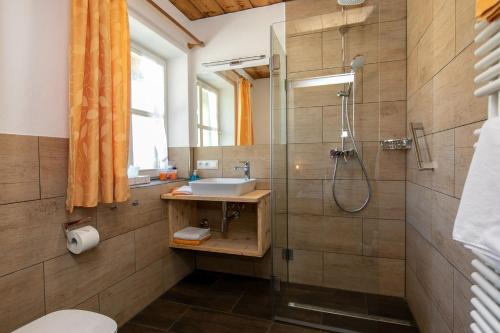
<point>174,21</point>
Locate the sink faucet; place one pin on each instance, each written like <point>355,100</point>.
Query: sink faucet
<point>245,166</point>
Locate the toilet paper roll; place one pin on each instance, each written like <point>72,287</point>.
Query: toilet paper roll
<point>82,239</point>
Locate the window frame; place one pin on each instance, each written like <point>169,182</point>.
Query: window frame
<point>144,51</point>
<point>199,126</point>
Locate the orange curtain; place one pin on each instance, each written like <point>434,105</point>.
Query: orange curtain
<point>487,10</point>
<point>244,133</point>
<point>99,103</point>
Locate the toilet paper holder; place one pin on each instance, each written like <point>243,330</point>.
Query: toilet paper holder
<point>68,225</point>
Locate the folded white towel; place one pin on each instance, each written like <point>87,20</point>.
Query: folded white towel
<point>477,224</point>
<point>192,233</point>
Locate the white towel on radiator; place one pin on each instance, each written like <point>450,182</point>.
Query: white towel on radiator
<point>477,224</point>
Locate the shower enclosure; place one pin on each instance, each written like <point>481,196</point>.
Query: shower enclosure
<point>338,198</point>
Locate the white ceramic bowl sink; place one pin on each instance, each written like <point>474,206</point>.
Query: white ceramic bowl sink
<point>222,186</point>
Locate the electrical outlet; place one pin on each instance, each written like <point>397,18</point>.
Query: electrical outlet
<point>207,164</point>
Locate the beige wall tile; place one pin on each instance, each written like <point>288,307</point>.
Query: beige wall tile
<point>53,166</point>
<point>125,299</point>
<point>366,14</point>
<point>316,96</point>
<point>89,273</point>
<point>412,83</point>
<point>435,273</point>
<point>257,155</point>
<point>92,304</point>
<point>419,20</point>
<point>32,232</point>
<point>392,120</point>
<point>309,161</point>
<point>342,235</point>
<point>393,81</point>
<point>332,118</point>
<point>425,58</point>
<point>454,103</point>
<point>371,83</point>
<point>126,217</point>
<point>419,208</point>
<point>428,317</point>
<point>366,122</point>
<point>363,39</point>
<point>443,35</point>
<point>19,168</point>
<point>464,140</point>
<point>464,24</point>
<point>322,233</point>
<point>350,193</point>
<point>461,303</point>
<point>384,238</point>
<point>444,211</point>
<point>306,267</point>
<point>420,107</point>
<point>180,157</point>
<point>175,266</point>
<point>365,274</point>
<point>411,249</point>
<point>22,298</point>
<point>332,49</point>
<point>305,125</point>
<point>312,161</point>
<point>387,201</point>
<point>151,244</point>
<point>304,53</point>
<point>383,164</point>
<point>391,10</point>
<point>305,197</point>
<point>208,153</point>
<point>443,157</point>
<point>305,8</point>
<point>393,40</point>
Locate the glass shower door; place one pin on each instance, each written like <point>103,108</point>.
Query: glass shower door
<point>278,67</point>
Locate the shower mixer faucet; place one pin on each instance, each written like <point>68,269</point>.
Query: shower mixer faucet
<point>336,153</point>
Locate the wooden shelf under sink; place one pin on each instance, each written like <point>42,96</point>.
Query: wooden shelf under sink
<point>250,237</point>
<point>254,196</point>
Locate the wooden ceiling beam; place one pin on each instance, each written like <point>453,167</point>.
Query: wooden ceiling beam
<point>180,26</point>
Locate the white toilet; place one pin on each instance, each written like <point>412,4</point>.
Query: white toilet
<point>70,321</point>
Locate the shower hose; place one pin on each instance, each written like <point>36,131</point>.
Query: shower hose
<point>335,167</point>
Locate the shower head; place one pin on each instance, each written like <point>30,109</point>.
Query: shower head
<point>357,62</point>
<point>350,2</point>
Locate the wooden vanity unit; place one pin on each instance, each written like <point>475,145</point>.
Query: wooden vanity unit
<point>248,236</point>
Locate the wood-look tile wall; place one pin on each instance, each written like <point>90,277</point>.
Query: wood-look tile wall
<point>440,95</point>
<point>131,266</point>
<point>363,251</point>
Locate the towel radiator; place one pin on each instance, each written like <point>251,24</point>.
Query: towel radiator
<point>486,279</point>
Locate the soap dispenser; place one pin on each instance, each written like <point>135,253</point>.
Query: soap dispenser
<point>194,176</point>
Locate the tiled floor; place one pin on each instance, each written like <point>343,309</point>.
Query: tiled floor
<point>208,302</point>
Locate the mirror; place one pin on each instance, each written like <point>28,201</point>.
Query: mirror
<point>233,107</point>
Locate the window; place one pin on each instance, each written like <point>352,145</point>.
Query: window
<point>208,115</point>
<point>148,89</point>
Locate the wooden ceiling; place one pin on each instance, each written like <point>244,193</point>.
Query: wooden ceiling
<point>198,9</point>
<point>258,72</point>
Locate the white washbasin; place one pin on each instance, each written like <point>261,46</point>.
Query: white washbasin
<point>222,186</point>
